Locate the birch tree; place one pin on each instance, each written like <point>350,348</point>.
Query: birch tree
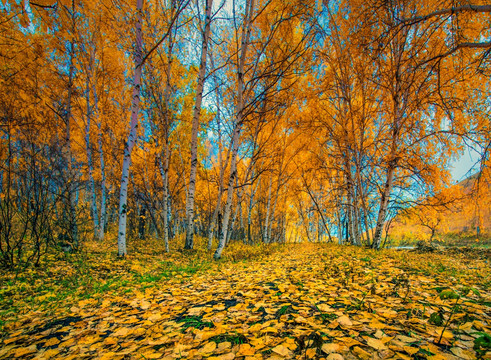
<point>245,39</point>
<point>128,148</point>
<point>195,127</point>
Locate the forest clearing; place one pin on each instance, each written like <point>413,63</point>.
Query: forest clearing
<point>303,301</point>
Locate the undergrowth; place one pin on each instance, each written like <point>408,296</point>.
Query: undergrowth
<point>64,279</point>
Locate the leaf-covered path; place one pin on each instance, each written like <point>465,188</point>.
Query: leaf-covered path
<point>305,302</point>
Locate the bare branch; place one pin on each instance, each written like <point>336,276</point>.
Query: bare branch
<point>449,11</point>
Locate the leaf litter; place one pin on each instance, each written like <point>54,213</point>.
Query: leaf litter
<point>303,301</point>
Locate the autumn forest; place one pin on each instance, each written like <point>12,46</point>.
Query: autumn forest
<point>148,144</point>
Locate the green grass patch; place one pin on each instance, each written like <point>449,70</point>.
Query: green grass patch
<point>194,322</point>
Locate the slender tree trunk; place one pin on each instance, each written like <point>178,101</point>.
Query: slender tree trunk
<point>273,210</point>
<point>230,191</point>
<point>268,207</point>
<point>383,207</point>
<point>222,167</point>
<point>340,228</point>
<point>95,214</point>
<point>71,200</point>
<point>238,209</point>
<point>164,172</point>
<point>194,131</point>
<point>352,218</point>
<point>246,33</point>
<point>164,166</point>
<point>365,209</point>
<point>384,201</point>
<point>102,218</point>
<point>249,211</point>
<point>135,107</point>
<point>142,221</point>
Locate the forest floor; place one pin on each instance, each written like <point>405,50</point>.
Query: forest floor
<point>303,301</point>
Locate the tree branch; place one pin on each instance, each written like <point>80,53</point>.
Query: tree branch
<point>449,11</point>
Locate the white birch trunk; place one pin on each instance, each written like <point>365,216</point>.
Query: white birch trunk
<point>230,191</point>
<point>249,212</point>
<point>246,33</point>
<point>72,218</point>
<point>93,205</point>
<point>164,167</point>
<point>273,211</point>
<point>222,167</point>
<point>384,201</point>
<point>135,107</point>
<point>102,224</point>
<point>268,207</point>
<point>189,244</point>
<point>164,170</point>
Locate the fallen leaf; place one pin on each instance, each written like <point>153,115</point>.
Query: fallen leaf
<point>224,345</point>
<point>335,356</point>
<point>25,350</point>
<point>50,353</point>
<point>245,350</point>
<point>462,354</point>
<point>208,348</point>
<point>330,348</point>
<point>344,321</point>
<point>375,343</point>
<point>122,332</point>
<point>51,342</point>
<point>362,354</point>
<point>310,353</point>
<point>410,350</point>
<point>229,356</point>
<point>108,356</point>
<point>282,351</point>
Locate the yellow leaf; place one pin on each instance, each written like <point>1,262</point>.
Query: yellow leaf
<point>310,353</point>
<point>406,339</point>
<point>462,354</point>
<point>51,353</point>
<point>154,317</point>
<point>330,348</point>
<point>410,350</point>
<point>324,308</point>
<point>404,357</point>
<point>145,305</point>
<point>195,311</point>
<point>344,321</point>
<point>257,343</point>
<point>349,342</point>
<point>255,327</point>
<point>269,329</point>
<point>362,354</point>
<point>110,341</point>
<point>229,356</point>
<point>377,325</point>
<point>89,339</point>
<point>25,350</point>
<point>335,356</point>
<point>282,351</point>
<point>224,345</point>
<point>122,332</point>
<point>245,350</point>
<point>108,355</point>
<point>375,343</point>
<point>208,348</point>
<point>466,326</point>
<point>51,342</point>
<point>152,355</point>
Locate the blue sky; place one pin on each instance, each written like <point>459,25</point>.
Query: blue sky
<point>462,166</point>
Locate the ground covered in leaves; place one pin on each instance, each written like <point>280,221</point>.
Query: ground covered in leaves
<point>304,301</point>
